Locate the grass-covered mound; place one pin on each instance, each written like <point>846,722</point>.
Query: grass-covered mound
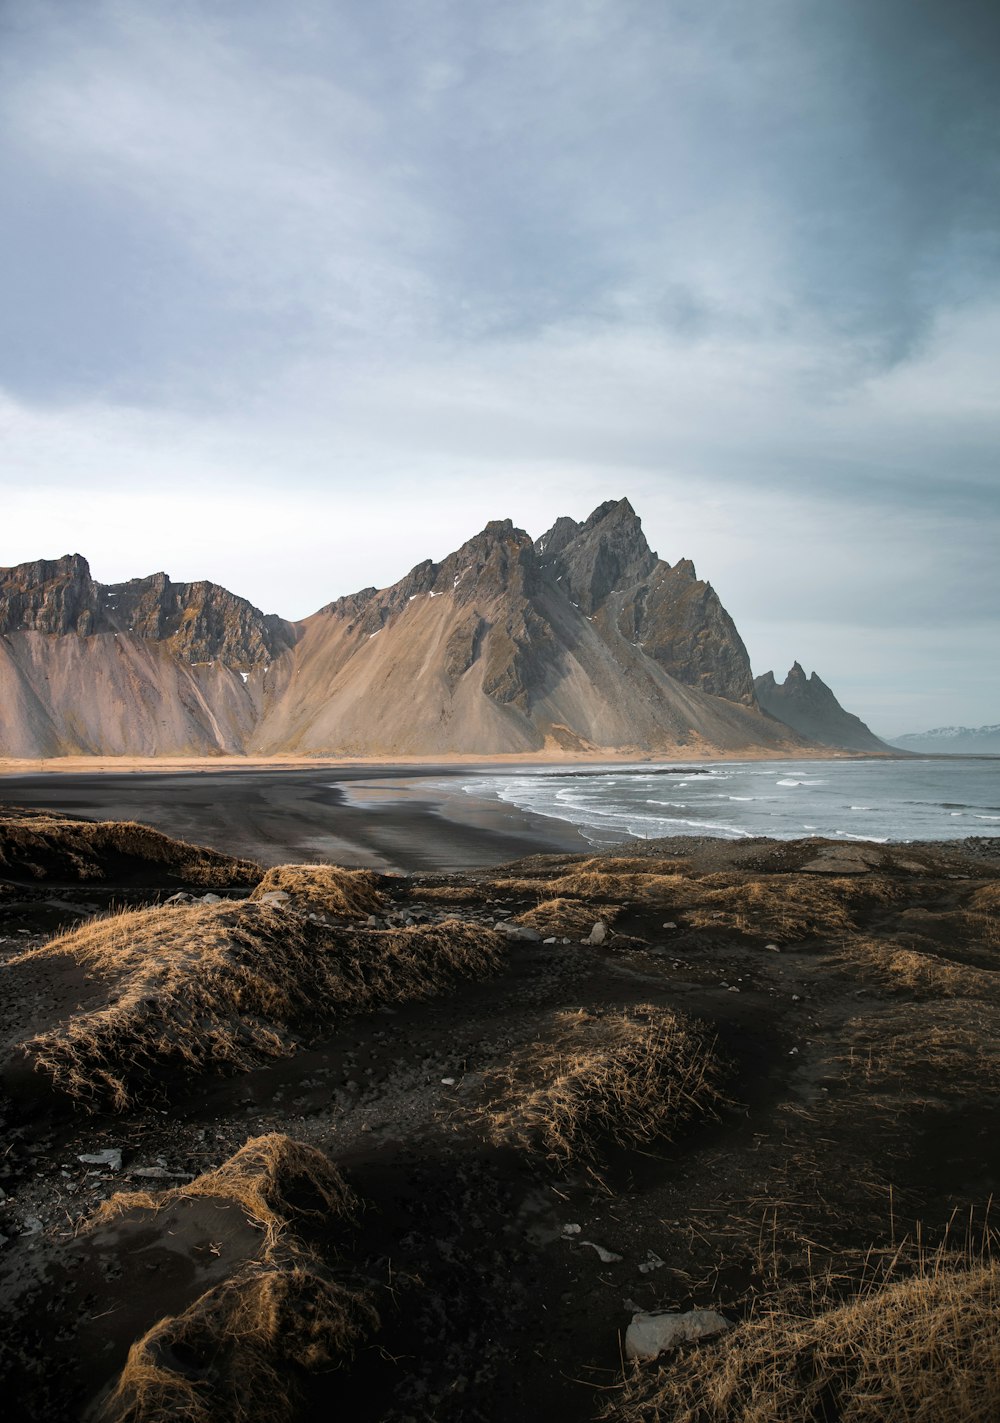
<point>225,986</point>
<point>326,889</point>
<point>34,846</point>
<point>246,1347</point>
<point>919,1349</point>
<point>625,1079</point>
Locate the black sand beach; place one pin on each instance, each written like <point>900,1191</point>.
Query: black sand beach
<point>384,817</point>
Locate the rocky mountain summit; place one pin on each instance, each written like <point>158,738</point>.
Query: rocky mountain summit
<point>200,622</point>
<point>808,705</point>
<point>582,640</point>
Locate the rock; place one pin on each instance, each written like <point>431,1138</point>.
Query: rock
<point>572,1229</point>
<point>808,706</point>
<point>549,941</point>
<point>520,933</point>
<point>606,1257</point>
<point>181,897</point>
<point>650,1335</point>
<point>211,899</point>
<point>151,1173</point>
<point>652,1262</point>
<point>670,924</point>
<point>32,1225</point>
<point>111,1158</point>
<point>598,933</point>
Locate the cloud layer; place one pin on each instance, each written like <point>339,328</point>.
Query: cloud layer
<point>295,299</point>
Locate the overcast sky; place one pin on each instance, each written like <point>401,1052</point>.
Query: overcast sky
<point>295,296</point>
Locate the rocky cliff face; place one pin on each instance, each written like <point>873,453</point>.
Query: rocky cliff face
<point>608,570</point>
<point>199,622</point>
<point>585,640</point>
<point>808,705</point>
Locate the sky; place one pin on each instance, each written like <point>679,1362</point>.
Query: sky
<point>296,296</point>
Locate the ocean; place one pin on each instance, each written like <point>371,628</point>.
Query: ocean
<point>935,799</point>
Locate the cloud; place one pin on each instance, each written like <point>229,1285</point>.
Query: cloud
<point>296,297</point>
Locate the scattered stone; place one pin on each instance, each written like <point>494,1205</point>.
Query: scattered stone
<point>572,1229</point>
<point>181,897</point>
<point>32,1225</point>
<point>447,1081</point>
<point>773,947</point>
<point>606,1257</point>
<point>598,933</point>
<point>650,1335</point>
<point>670,924</point>
<point>549,941</point>
<point>520,933</point>
<point>652,1262</point>
<point>211,899</point>
<point>111,1158</point>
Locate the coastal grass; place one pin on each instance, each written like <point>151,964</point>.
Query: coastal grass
<point>567,918</point>
<point>348,894</point>
<point>246,1346</point>
<point>904,1343</point>
<point>599,1080</point>
<point>276,1181</point>
<point>225,987</point>
<point>54,847</point>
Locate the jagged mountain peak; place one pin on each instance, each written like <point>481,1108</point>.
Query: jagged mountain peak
<point>808,705</point>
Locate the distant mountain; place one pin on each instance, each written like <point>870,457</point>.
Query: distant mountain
<point>583,640</point>
<point>953,741</point>
<point>808,705</point>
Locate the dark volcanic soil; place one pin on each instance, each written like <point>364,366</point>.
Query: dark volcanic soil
<point>862,1078</point>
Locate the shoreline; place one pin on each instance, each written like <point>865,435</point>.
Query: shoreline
<point>12,766</point>
<point>290,814</point>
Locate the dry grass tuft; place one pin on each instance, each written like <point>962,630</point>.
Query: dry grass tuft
<point>221,987</point>
<point>274,1180</point>
<point>629,1078</point>
<point>447,893</point>
<point>783,907</point>
<point>922,1349</point>
<point>242,1350</point>
<point>919,973</point>
<point>987,898</point>
<point>568,917</point>
<point>245,1346</point>
<point>348,894</point>
<point>54,847</point>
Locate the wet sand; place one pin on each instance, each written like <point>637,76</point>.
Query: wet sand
<point>386,817</point>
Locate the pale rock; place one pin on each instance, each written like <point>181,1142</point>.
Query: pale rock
<point>650,1335</point>
<point>598,933</point>
<point>111,1158</point>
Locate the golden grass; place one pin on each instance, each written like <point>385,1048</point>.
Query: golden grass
<point>222,986</point>
<point>347,894</point>
<point>244,1347</point>
<point>783,907</point>
<point>921,1349</point>
<point>273,1179</point>
<point>908,1047</point>
<point>242,1350</point>
<point>568,917</point>
<point>448,893</point>
<point>915,971</point>
<point>987,899</point>
<point>54,847</point>
<point>627,1078</point>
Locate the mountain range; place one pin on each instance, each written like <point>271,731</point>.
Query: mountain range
<point>952,741</point>
<point>583,640</point>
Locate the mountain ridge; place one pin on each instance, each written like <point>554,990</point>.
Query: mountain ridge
<point>582,640</point>
<point>809,706</point>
